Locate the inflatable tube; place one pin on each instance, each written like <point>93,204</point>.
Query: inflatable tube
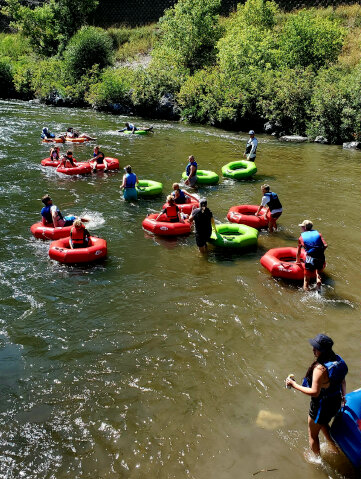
<point>48,231</point>
<point>204,177</point>
<point>186,208</point>
<point>75,140</point>
<point>245,215</point>
<point>60,251</point>
<point>137,132</point>
<point>346,428</point>
<point>234,236</point>
<point>53,140</point>
<point>239,170</point>
<point>79,169</point>
<point>149,188</point>
<point>281,263</point>
<point>113,164</point>
<point>50,162</point>
<point>163,227</point>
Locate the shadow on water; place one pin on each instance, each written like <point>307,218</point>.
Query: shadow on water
<point>230,255</point>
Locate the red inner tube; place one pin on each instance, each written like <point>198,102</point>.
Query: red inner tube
<point>245,215</point>
<point>60,251</point>
<point>47,231</point>
<point>79,169</point>
<point>163,227</point>
<point>185,208</point>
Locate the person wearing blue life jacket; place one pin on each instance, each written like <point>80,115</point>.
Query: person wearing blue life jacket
<point>129,181</point>
<point>312,241</point>
<point>45,134</point>
<point>325,383</point>
<point>181,196</point>
<point>51,215</point>
<point>271,202</point>
<point>191,172</point>
<point>133,128</point>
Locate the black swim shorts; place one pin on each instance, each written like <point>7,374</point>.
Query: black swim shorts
<point>311,264</point>
<point>324,409</point>
<point>201,240</point>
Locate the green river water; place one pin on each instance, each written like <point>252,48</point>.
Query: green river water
<point>160,362</point>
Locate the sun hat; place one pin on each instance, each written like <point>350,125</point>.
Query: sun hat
<point>321,342</point>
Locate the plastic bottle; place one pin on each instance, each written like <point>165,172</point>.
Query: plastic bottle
<point>290,376</point>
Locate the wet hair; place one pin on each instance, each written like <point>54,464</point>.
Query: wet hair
<point>69,152</point>
<point>175,186</point>
<point>128,169</point>
<point>191,158</point>
<point>96,147</point>
<point>126,123</point>
<point>45,199</point>
<point>170,199</point>
<point>78,223</point>
<point>265,187</point>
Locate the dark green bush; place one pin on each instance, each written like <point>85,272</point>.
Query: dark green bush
<point>6,78</point>
<point>119,36</point>
<point>90,46</point>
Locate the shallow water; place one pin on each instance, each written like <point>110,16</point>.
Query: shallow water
<point>158,362</point>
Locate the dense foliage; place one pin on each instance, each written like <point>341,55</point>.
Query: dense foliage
<point>300,71</point>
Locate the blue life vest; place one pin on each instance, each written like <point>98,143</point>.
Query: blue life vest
<point>46,213</point>
<point>131,126</point>
<point>188,168</point>
<point>130,180</point>
<point>181,199</point>
<point>337,371</point>
<point>313,243</point>
<point>274,203</point>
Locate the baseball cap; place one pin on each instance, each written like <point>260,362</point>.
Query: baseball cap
<point>203,202</point>
<point>251,132</point>
<point>306,224</point>
<point>321,342</point>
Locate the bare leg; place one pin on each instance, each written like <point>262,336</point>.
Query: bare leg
<point>313,432</point>
<point>306,282</point>
<point>331,442</point>
<point>105,165</point>
<point>318,281</point>
<point>203,249</point>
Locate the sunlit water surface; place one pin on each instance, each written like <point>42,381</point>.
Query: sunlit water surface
<point>159,362</point>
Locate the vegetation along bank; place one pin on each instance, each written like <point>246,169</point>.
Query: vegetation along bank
<point>298,72</point>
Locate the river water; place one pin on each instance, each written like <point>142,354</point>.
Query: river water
<point>159,362</point>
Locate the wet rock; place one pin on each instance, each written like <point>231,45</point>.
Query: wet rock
<point>294,138</point>
<point>322,140</point>
<point>352,145</point>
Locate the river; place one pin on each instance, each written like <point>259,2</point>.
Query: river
<point>159,362</point>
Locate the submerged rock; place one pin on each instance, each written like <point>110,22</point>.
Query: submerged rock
<point>352,145</point>
<point>294,138</point>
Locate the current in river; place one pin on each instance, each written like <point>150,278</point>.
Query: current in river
<point>159,362</point>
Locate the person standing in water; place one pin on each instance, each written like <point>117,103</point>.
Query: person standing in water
<point>312,241</point>
<point>204,222</point>
<point>326,385</point>
<point>251,147</point>
<point>270,201</point>
<point>129,181</point>
<point>191,171</point>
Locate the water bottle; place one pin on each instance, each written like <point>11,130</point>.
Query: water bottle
<point>290,376</point>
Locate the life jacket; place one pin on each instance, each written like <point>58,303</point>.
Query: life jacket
<point>101,155</point>
<point>131,126</point>
<point>274,203</point>
<point>337,371</point>
<point>313,243</point>
<point>188,168</point>
<point>130,179</point>
<point>78,235</point>
<point>181,199</point>
<point>46,213</point>
<point>172,212</point>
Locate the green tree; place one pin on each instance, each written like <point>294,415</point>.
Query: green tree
<point>188,33</point>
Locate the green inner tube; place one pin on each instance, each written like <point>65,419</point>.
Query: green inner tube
<point>149,188</point>
<point>137,132</point>
<point>239,170</point>
<point>234,236</point>
<point>204,177</point>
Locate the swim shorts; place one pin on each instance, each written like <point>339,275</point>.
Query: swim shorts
<point>324,409</point>
<point>311,264</point>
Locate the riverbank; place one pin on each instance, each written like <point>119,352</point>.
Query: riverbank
<point>291,73</point>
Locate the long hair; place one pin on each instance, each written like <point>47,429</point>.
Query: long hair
<point>322,359</point>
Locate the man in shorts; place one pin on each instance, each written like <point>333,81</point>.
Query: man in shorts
<point>270,201</point>
<point>204,222</point>
<point>311,240</point>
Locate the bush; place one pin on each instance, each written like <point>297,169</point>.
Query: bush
<point>309,39</point>
<point>188,34</point>
<point>14,46</point>
<point>336,105</point>
<point>113,88</point>
<point>90,46</point>
<point>6,78</point>
<point>286,97</point>
<point>119,36</point>
<point>23,72</point>
<point>48,79</point>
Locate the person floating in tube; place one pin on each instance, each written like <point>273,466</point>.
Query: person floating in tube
<point>51,215</point>
<point>133,128</point>
<point>79,235</point>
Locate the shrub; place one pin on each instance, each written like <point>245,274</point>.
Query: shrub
<point>48,79</point>
<point>22,72</point>
<point>113,88</point>
<point>309,39</point>
<point>119,36</point>
<point>14,46</point>
<point>88,47</point>
<point>188,33</point>
<point>6,78</point>
<point>285,98</point>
